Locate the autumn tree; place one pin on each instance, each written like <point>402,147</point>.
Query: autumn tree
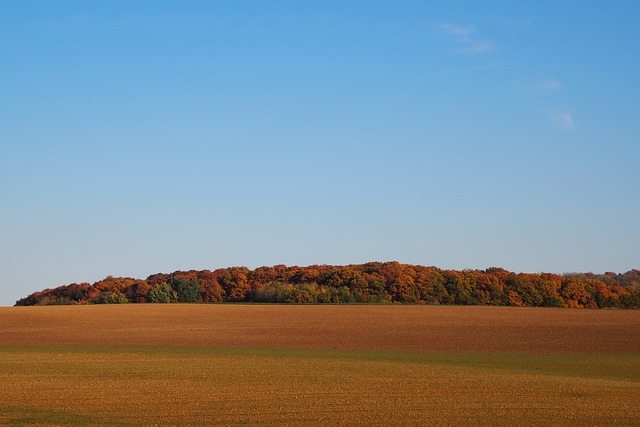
<point>429,282</point>
<point>210,289</point>
<point>575,295</point>
<point>403,289</point>
<point>234,283</point>
<point>361,283</point>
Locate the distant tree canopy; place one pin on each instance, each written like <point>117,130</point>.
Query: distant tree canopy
<point>374,282</point>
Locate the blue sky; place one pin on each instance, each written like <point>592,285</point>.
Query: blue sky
<point>149,136</point>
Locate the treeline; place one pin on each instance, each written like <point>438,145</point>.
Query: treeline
<point>375,282</point>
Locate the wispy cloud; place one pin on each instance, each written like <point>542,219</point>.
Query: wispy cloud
<point>464,36</point>
<point>456,30</point>
<point>563,119</point>
<point>551,85</point>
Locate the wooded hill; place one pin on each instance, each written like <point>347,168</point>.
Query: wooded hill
<point>375,282</point>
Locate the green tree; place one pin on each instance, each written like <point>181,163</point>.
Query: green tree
<point>459,286</point>
<point>185,289</point>
<point>162,293</point>
<point>109,297</point>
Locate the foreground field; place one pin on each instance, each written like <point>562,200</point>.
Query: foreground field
<point>302,365</point>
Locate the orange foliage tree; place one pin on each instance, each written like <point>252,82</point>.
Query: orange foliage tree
<point>389,282</point>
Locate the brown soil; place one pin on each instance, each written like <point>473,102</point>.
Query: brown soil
<point>372,327</point>
<point>203,385</point>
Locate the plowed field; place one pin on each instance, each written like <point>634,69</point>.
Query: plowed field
<point>318,365</point>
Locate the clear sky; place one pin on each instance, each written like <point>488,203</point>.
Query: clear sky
<point>149,136</point>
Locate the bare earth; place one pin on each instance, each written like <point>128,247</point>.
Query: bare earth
<point>362,327</point>
<point>326,365</point>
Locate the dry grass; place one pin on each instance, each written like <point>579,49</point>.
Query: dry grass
<point>318,365</point>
